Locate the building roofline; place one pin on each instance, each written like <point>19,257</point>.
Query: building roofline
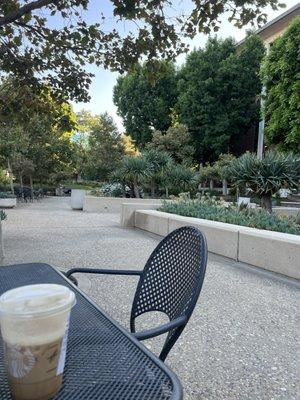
<point>273,21</point>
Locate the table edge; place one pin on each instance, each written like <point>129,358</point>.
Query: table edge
<point>178,391</point>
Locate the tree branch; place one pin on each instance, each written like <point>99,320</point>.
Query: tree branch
<point>27,8</point>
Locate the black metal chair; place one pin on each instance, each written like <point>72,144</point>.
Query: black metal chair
<point>170,283</point>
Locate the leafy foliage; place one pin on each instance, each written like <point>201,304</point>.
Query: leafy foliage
<point>218,91</point>
<point>129,146</point>
<point>3,177</point>
<point>36,48</point>
<point>176,141</point>
<point>281,73</point>
<point>211,209</point>
<point>105,148</point>
<point>159,162</point>
<point>6,195</point>
<point>181,178</point>
<point>265,177</point>
<point>35,130</point>
<point>133,171</point>
<point>144,98</point>
<point>3,215</point>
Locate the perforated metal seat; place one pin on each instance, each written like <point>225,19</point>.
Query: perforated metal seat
<point>170,283</point>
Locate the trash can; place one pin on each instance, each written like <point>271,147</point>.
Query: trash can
<point>77,199</point>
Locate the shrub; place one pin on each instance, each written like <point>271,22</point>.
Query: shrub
<point>2,215</point>
<point>212,209</point>
<point>6,195</point>
<point>112,190</point>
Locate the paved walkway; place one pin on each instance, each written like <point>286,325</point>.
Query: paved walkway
<point>241,342</point>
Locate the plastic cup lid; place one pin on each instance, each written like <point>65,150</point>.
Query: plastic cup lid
<point>36,300</point>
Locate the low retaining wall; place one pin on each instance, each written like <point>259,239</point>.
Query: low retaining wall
<point>112,204</point>
<point>274,251</point>
<point>127,219</point>
<point>9,202</point>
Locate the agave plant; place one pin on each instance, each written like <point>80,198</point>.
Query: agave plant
<point>159,163</point>
<point>265,177</point>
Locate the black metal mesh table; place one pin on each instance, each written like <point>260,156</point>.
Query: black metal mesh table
<point>103,360</point>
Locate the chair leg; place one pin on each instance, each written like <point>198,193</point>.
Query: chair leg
<point>72,279</point>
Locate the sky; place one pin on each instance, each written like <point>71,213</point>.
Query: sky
<point>101,89</point>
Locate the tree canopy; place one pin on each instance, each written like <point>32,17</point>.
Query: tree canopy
<point>144,99</point>
<point>218,90</point>
<point>35,131</point>
<point>105,148</point>
<point>176,142</point>
<point>281,73</point>
<point>53,40</point>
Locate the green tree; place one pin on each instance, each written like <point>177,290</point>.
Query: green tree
<point>105,148</point>
<point>222,166</point>
<point>37,48</point>
<point>34,127</point>
<point>281,74</point>
<point>218,90</point>
<point>265,177</point>
<point>86,121</point>
<point>176,141</point>
<point>144,99</point>
<point>129,146</point>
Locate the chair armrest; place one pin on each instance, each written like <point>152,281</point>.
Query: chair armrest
<point>103,271</point>
<point>151,333</point>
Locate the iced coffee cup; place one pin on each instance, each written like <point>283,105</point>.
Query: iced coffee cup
<point>34,324</point>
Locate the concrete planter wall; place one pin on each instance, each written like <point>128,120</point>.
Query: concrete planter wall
<point>113,204</point>
<point>243,200</point>
<point>274,251</point>
<point>128,212</point>
<point>77,199</point>
<point>8,203</point>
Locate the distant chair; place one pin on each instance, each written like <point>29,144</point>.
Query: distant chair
<point>171,283</point>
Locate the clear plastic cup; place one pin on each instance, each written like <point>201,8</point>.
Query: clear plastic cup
<point>34,323</point>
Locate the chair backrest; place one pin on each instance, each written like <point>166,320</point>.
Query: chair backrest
<point>172,280</point>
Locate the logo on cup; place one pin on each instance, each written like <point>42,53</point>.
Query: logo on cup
<point>20,361</point>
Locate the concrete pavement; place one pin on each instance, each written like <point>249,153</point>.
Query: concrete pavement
<point>241,342</point>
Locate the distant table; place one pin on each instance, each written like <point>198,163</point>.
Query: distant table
<point>103,360</point>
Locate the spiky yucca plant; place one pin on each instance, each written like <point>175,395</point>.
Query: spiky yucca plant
<point>135,169</point>
<point>182,178</point>
<point>265,177</point>
<point>159,164</point>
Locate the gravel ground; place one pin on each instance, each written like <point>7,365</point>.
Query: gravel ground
<point>241,342</point>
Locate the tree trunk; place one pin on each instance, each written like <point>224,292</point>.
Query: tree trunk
<point>21,185</point>
<point>152,189</point>
<point>1,245</point>
<point>211,184</point>
<point>266,203</point>
<point>167,192</point>
<point>136,189</point>
<point>225,188</point>
<point>123,190</point>
<point>31,186</point>
<point>10,177</point>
